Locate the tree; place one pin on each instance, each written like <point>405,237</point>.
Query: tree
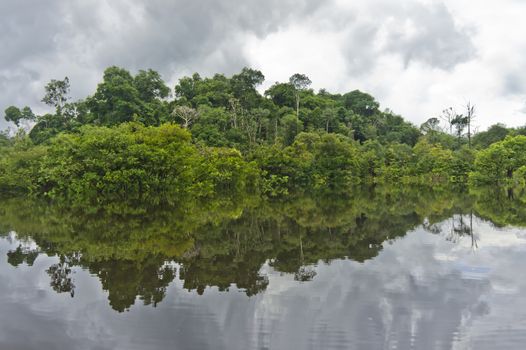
<point>448,115</point>
<point>499,162</point>
<point>459,122</point>
<point>187,114</point>
<point>117,99</point>
<point>215,92</point>
<point>300,82</point>
<point>431,125</point>
<point>4,139</point>
<point>282,94</point>
<point>329,115</point>
<point>150,85</point>
<point>15,115</point>
<point>291,126</point>
<point>495,133</point>
<point>360,103</point>
<point>188,87</point>
<point>252,121</point>
<point>470,115</point>
<point>244,86</point>
<point>57,94</point>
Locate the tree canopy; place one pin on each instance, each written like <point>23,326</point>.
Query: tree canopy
<point>289,138</point>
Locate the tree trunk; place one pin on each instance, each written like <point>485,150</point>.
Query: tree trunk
<point>275,130</point>
<point>469,132</point>
<point>297,105</point>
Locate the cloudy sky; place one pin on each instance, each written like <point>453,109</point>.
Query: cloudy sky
<point>416,57</point>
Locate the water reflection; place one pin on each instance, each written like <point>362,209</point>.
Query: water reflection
<point>226,242</point>
<point>357,272</point>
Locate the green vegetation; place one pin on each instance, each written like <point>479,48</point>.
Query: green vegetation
<point>130,141</point>
<point>128,162</point>
<point>502,162</point>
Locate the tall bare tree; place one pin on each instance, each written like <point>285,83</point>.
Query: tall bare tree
<point>470,115</point>
<point>449,115</point>
<point>300,82</point>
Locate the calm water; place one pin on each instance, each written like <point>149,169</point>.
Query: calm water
<point>379,270</point>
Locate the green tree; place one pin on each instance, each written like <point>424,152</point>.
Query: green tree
<point>282,94</point>
<point>495,133</point>
<point>291,126</point>
<point>15,115</point>
<point>5,140</point>
<point>187,88</point>
<point>244,87</point>
<point>150,85</point>
<point>300,82</point>
<point>57,94</point>
<point>498,163</point>
<point>432,125</point>
<point>361,103</point>
<point>117,99</point>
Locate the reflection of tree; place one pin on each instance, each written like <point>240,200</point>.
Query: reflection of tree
<point>304,274</point>
<point>126,247</point>
<point>460,225</point>
<point>456,222</point>
<point>293,236</point>
<point>22,255</point>
<point>226,241</point>
<point>501,206</point>
<point>60,274</point>
<point>223,271</point>
<point>125,280</point>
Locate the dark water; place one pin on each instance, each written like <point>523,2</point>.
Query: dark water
<point>378,270</point>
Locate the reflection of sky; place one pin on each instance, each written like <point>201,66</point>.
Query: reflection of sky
<point>421,292</point>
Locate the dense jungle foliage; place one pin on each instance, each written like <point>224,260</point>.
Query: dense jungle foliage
<point>131,140</point>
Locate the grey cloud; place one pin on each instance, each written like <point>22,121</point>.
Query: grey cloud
<point>418,32</point>
<point>49,40</point>
<point>360,51</point>
<point>202,35</point>
<point>428,33</point>
<point>45,40</point>
<point>514,84</point>
<point>27,29</point>
<point>513,76</point>
<point>27,34</point>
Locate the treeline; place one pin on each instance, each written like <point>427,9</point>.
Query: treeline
<point>136,138</point>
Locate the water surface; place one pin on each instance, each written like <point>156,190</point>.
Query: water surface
<point>377,270</point>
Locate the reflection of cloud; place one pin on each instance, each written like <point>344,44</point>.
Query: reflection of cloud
<point>406,297</point>
<point>403,298</point>
<point>415,294</point>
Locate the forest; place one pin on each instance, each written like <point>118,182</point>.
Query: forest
<point>137,139</point>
